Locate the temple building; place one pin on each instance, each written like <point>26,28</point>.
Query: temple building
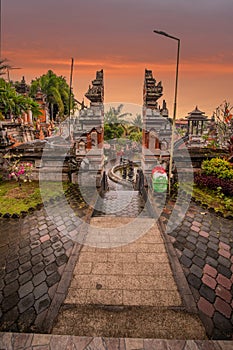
<point>197,122</point>
<point>88,133</point>
<point>40,98</point>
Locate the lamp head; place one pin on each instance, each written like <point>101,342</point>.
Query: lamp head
<point>160,32</point>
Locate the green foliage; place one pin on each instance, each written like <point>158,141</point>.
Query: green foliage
<point>114,123</point>
<point>218,167</point>
<point>136,136</point>
<point>213,199</point>
<point>113,131</point>
<point>14,103</point>
<point>57,92</point>
<point>17,169</point>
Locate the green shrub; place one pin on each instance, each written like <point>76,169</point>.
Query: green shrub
<point>218,167</point>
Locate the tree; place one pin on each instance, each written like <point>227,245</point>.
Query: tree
<point>57,92</point>
<point>114,123</point>
<point>136,125</point>
<point>13,103</point>
<point>4,66</point>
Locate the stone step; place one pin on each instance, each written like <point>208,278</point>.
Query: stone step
<point>131,321</point>
<point>121,203</point>
<point>66,342</point>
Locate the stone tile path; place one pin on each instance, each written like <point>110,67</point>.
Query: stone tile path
<point>34,257</point>
<point>204,244</point>
<point>34,252</point>
<point>121,203</point>
<point>134,274</point>
<point>133,284</point>
<point>13,341</point>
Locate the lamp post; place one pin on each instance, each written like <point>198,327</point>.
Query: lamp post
<point>175,103</point>
<point>70,93</point>
<point>0,29</point>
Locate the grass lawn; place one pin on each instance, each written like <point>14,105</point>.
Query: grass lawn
<point>14,199</point>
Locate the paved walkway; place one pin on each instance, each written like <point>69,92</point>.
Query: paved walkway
<point>13,341</point>
<point>37,257</point>
<point>34,252</point>
<point>137,274</point>
<point>121,203</point>
<point>204,245</point>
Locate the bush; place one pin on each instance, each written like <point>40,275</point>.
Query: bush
<point>213,182</point>
<point>218,167</point>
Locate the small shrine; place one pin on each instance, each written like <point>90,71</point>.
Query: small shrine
<point>196,125</point>
<point>22,88</point>
<point>40,98</point>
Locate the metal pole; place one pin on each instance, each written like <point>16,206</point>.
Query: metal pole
<point>175,104</point>
<point>174,117</point>
<point>0,29</point>
<point>71,76</point>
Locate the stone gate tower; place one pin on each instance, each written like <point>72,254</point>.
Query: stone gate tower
<point>89,131</point>
<point>156,137</point>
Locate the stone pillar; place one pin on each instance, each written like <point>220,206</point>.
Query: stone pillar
<point>29,117</point>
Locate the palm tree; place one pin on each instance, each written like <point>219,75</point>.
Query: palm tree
<point>15,104</point>
<point>114,115</point>
<point>4,66</point>
<point>137,122</point>
<point>56,90</point>
<point>115,124</point>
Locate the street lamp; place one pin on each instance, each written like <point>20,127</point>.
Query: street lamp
<point>175,98</point>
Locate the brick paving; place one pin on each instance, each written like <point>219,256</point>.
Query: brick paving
<point>34,253</point>
<point>204,245</point>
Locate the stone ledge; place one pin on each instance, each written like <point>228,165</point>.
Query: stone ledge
<point>45,341</point>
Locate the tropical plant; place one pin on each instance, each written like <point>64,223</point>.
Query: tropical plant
<point>13,103</point>
<point>17,169</point>
<point>136,136</point>
<point>137,122</point>
<point>218,167</point>
<point>4,66</point>
<point>57,93</point>
<point>214,183</point>
<point>115,124</point>
<point>113,131</point>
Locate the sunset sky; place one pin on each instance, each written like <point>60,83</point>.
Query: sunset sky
<point>117,35</point>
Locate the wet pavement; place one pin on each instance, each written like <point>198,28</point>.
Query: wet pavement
<point>35,254</point>
<point>13,341</point>
<point>121,204</point>
<point>204,245</point>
